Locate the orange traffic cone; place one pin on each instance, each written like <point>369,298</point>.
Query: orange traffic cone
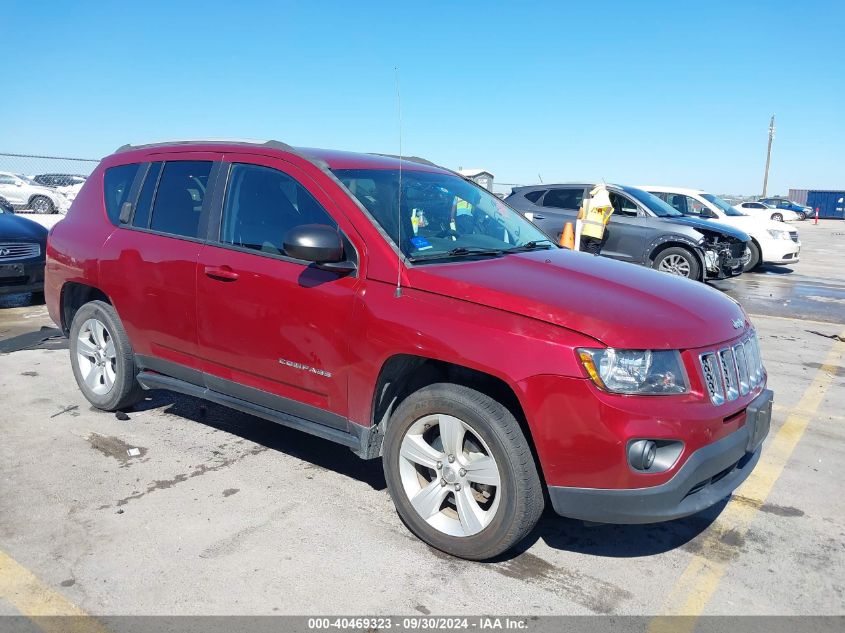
<point>567,239</point>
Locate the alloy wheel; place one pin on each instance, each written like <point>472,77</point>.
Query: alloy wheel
<point>95,355</point>
<point>675,265</point>
<point>449,475</point>
<point>41,205</point>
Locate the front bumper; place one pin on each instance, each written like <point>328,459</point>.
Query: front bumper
<point>24,277</point>
<point>780,251</point>
<point>709,475</point>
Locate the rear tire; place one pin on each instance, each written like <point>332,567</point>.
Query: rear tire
<point>42,204</point>
<point>486,510</point>
<point>678,261</point>
<point>102,359</point>
<point>754,260</point>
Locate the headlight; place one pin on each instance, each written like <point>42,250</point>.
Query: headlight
<point>643,372</point>
<point>779,235</point>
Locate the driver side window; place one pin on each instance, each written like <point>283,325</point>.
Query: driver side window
<point>262,205</point>
<point>623,206</point>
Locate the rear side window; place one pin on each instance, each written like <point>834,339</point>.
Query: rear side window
<point>179,197</point>
<point>564,198</point>
<point>533,196</point>
<point>117,182</point>
<point>262,205</point>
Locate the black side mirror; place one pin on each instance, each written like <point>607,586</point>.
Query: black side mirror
<point>318,243</point>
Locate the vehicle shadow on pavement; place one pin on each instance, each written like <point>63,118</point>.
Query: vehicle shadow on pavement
<point>317,451</point>
<point>618,541</point>
<point>44,338</point>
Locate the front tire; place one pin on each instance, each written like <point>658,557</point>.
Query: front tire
<point>678,261</point>
<point>460,472</point>
<point>777,217</point>
<point>42,204</point>
<point>102,359</point>
<point>754,260</point>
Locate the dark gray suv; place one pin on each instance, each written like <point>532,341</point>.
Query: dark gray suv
<point>643,230</point>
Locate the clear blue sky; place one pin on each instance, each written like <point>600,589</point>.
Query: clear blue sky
<point>660,92</point>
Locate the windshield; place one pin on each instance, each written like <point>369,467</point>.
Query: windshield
<point>442,215</point>
<point>723,206</point>
<point>654,204</point>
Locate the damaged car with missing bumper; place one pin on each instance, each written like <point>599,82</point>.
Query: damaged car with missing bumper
<point>643,230</point>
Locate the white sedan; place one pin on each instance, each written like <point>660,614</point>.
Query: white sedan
<point>758,209</point>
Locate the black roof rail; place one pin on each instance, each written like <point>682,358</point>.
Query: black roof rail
<point>270,144</point>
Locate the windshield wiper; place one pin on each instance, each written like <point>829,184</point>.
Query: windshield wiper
<point>531,246</point>
<point>458,252</point>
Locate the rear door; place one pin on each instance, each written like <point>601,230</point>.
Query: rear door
<point>560,205</point>
<point>149,262</point>
<point>274,330</point>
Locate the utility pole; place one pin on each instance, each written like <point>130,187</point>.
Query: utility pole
<point>769,155</point>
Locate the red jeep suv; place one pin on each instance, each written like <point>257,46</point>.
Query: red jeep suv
<point>396,308</point>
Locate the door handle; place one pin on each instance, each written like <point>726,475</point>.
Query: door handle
<point>221,273</point>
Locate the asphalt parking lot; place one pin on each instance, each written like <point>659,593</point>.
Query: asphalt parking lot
<point>223,513</point>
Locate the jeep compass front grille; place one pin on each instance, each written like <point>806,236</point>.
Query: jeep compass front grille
<point>18,250</point>
<point>732,371</point>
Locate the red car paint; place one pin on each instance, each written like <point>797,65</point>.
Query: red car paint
<point>518,318</point>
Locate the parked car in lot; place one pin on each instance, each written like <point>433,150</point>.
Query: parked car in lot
<point>771,242</point>
<point>760,210</point>
<point>400,310</point>
<point>642,230</point>
<point>785,205</point>
<point>59,180</point>
<point>23,247</point>
<point>66,184</point>
<point>24,193</point>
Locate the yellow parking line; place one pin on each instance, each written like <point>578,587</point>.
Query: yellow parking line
<point>701,578</point>
<point>34,599</point>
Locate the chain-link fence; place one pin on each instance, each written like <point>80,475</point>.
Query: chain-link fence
<point>30,183</point>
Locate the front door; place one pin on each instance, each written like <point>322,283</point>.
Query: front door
<point>627,232</point>
<point>273,330</point>
<point>12,189</point>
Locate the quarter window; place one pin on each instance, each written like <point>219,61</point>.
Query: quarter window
<point>178,201</point>
<point>117,182</point>
<point>262,205</point>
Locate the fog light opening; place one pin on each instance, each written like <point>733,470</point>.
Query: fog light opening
<point>641,454</point>
<point>653,455</point>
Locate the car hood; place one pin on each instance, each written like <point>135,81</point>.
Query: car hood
<point>621,305</point>
<point>14,227</point>
<point>709,225</point>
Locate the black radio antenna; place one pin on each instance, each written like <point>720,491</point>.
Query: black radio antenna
<point>398,292</point>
